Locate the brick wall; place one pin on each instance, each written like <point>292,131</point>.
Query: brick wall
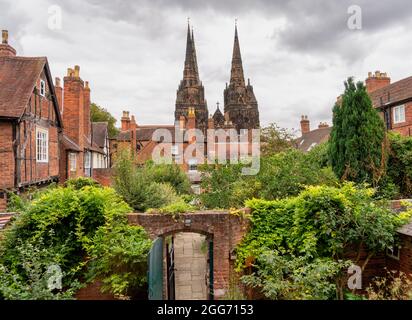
<point>103,176</point>
<point>225,229</point>
<point>7,164</point>
<point>93,292</point>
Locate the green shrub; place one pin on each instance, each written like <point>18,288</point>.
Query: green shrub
<point>63,222</point>
<point>319,223</point>
<point>145,187</point>
<point>118,255</point>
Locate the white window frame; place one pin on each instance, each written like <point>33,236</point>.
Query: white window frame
<point>394,252</point>
<point>42,145</point>
<point>72,161</point>
<point>399,114</point>
<point>42,88</point>
<point>192,162</point>
<point>175,150</point>
<point>87,160</point>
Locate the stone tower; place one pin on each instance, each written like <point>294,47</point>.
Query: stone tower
<point>239,100</point>
<point>191,93</point>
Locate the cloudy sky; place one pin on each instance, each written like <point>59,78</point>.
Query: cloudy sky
<point>296,53</point>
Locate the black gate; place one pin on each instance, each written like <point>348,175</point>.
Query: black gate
<point>170,265</point>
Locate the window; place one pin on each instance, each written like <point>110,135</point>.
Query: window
<point>42,88</point>
<point>394,252</point>
<point>399,114</point>
<point>175,150</point>
<point>192,165</point>
<point>72,161</point>
<point>42,145</point>
<point>87,164</point>
<point>196,188</point>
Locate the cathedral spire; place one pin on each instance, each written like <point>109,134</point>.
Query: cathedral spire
<point>236,75</point>
<point>194,57</point>
<point>189,73</point>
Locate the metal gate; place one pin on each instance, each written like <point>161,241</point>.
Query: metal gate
<point>155,270</point>
<point>211,279</point>
<point>170,262</point>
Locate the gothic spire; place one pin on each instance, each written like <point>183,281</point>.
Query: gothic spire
<point>194,57</point>
<point>189,73</point>
<point>236,75</point>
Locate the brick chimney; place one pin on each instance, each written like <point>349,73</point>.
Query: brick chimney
<point>5,49</point>
<point>304,124</point>
<point>86,122</point>
<point>210,122</point>
<point>182,122</point>
<point>323,125</point>
<point>59,93</point>
<point>125,120</point>
<point>376,81</point>
<point>73,102</point>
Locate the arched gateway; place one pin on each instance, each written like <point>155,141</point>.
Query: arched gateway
<point>222,230</point>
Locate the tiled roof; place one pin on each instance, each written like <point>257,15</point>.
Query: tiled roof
<point>392,94</point>
<point>312,138</point>
<point>99,133</point>
<point>145,133</point>
<point>18,77</point>
<point>69,144</point>
<point>5,219</point>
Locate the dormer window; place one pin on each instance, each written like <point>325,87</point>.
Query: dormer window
<point>42,88</point>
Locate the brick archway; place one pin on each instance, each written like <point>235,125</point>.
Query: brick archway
<point>226,229</point>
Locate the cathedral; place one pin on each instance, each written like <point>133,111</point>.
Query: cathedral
<point>240,106</point>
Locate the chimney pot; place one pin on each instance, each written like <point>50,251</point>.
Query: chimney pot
<point>77,71</point>
<point>5,36</point>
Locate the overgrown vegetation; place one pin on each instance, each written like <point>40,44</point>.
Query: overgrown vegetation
<point>281,175</point>
<point>82,228</point>
<point>297,245</point>
<point>149,186</point>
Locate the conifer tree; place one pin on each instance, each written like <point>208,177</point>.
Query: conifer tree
<point>356,147</point>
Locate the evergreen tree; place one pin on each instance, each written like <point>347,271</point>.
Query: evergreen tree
<point>356,147</point>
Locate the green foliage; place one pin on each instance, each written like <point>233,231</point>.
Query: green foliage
<point>60,226</point>
<point>148,186</point>
<point>118,253</point>
<point>100,114</point>
<point>281,175</point>
<point>30,282</point>
<point>168,173</point>
<point>393,286</point>
<point>175,208</point>
<point>81,182</point>
<point>319,223</point>
<point>356,146</point>
<point>274,139</point>
<point>295,278</point>
<point>400,163</point>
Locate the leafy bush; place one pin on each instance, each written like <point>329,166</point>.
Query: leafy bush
<point>81,182</point>
<point>399,170</point>
<point>281,175</point>
<point>394,286</point>
<point>62,222</point>
<point>318,224</point>
<point>144,187</point>
<point>118,253</point>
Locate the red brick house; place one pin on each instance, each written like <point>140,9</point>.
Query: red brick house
<point>78,148</point>
<point>312,138</point>
<point>30,122</point>
<point>394,101</point>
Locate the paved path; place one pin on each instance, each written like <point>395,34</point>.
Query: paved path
<point>191,266</point>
